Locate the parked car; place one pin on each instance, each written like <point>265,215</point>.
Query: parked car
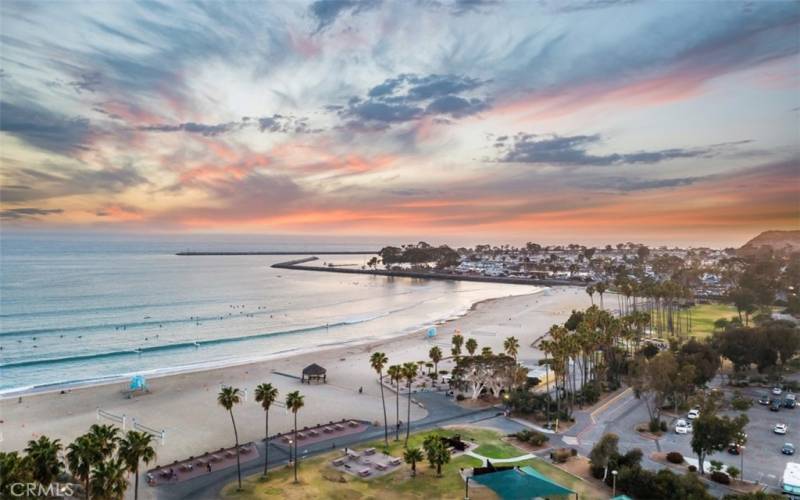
<point>764,399</point>
<point>775,405</point>
<point>788,449</point>
<point>780,428</point>
<point>693,414</point>
<point>683,427</point>
<point>789,403</point>
<point>776,391</point>
<point>733,449</point>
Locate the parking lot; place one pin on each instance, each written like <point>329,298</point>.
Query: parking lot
<point>763,460</point>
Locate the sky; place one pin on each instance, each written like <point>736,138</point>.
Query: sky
<point>451,120</point>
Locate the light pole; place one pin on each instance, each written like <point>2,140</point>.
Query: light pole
<point>614,483</point>
<point>466,484</point>
<point>290,452</point>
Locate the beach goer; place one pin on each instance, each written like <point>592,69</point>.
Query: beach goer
<point>208,466</point>
<point>360,390</point>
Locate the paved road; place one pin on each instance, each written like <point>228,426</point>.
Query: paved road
<point>441,411</point>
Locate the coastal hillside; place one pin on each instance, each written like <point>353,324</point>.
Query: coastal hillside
<point>777,240</point>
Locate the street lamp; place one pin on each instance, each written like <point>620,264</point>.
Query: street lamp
<point>466,484</point>
<point>614,483</point>
<point>290,452</point>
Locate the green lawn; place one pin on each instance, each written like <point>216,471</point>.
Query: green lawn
<point>704,316</point>
<point>319,480</point>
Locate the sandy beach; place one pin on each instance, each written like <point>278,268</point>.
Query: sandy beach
<point>184,405</point>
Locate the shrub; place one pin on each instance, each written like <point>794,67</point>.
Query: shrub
<point>654,426</point>
<point>532,437</point>
<point>720,477</point>
<point>692,468</point>
<point>716,465</point>
<point>573,452</point>
<point>674,457</point>
<point>663,426</point>
<point>460,397</point>
<point>733,472</point>
<point>560,455</point>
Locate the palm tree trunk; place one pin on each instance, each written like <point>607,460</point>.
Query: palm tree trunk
<point>385,418</point>
<point>295,447</point>
<point>397,413</point>
<point>88,492</point>
<point>408,418</point>
<point>266,441</point>
<point>238,463</point>
<point>136,484</point>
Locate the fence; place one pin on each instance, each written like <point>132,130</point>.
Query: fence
<point>120,419</point>
<point>160,434</point>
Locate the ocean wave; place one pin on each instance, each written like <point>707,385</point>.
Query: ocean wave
<point>176,345</point>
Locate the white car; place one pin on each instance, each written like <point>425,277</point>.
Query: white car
<point>780,429</point>
<point>776,391</point>
<point>693,414</point>
<point>683,427</point>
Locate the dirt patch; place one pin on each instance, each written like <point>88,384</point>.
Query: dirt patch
<point>643,429</point>
<point>579,466</point>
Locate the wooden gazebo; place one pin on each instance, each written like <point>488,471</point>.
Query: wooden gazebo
<point>314,372</point>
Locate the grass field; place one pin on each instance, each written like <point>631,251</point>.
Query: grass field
<point>319,480</point>
<point>704,316</point>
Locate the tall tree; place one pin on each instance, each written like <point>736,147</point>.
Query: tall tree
<point>294,401</point>
<point>458,342</point>
<point>601,289</point>
<point>409,372</point>
<point>590,291</point>
<point>511,347</point>
<point>108,479</point>
<point>45,464</point>
<point>378,360</point>
<point>82,455</point>
<point>136,447</point>
<point>106,437</point>
<point>436,355</point>
<point>266,394</point>
<point>472,346</point>
<point>395,373</point>
<point>228,397</point>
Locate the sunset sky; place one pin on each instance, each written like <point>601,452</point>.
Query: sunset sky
<point>505,121</point>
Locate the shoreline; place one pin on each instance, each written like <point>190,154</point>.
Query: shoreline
<point>184,404</point>
<point>155,374</point>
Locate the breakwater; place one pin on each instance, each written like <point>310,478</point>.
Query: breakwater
<point>224,254</point>
<point>298,265</point>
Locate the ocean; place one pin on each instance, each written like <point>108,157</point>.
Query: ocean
<point>77,309</point>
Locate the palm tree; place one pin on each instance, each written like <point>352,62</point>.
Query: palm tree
<point>108,479</point>
<point>294,401</point>
<point>472,346</point>
<point>378,360</point>
<point>43,454</point>
<point>436,355</point>
<point>511,346</point>
<point>486,351</point>
<point>409,372</point>
<point>601,289</point>
<point>458,341</point>
<point>395,373</point>
<point>411,457</point>
<point>136,447</point>
<point>82,455</point>
<point>107,437</point>
<point>266,394</point>
<point>438,453</point>
<point>227,398</point>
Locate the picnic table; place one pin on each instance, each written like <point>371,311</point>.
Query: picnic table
<point>327,430</point>
<point>338,427</point>
<point>339,461</point>
<point>364,472</point>
<point>369,451</point>
<point>380,466</point>
<point>395,461</point>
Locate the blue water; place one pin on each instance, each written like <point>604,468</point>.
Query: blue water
<point>83,308</point>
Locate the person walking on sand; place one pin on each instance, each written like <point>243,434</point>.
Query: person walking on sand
<point>208,466</point>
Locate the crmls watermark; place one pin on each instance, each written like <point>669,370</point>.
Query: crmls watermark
<point>36,490</point>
